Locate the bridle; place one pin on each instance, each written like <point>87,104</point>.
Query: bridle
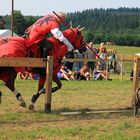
<point>77,38</point>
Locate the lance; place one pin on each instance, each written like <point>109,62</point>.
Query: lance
<point>68,25</point>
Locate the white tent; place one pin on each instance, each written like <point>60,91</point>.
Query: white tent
<point>6,33</point>
<point>138,54</point>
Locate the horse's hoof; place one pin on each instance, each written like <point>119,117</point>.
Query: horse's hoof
<point>23,105</point>
<point>31,107</point>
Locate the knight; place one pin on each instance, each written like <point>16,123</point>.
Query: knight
<point>45,25</point>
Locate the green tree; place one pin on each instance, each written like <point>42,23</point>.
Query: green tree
<point>19,23</point>
<point>88,36</point>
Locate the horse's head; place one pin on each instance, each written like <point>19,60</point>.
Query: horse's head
<point>74,35</point>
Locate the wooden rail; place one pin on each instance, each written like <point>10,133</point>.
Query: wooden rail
<point>120,57</point>
<point>48,64</point>
<point>21,61</point>
<point>34,62</point>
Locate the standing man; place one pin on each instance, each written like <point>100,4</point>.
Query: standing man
<point>50,23</point>
<point>2,22</point>
<point>90,55</point>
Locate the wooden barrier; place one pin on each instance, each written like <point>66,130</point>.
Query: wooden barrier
<point>120,57</point>
<point>136,71</point>
<point>21,61</point>
<point>34,62</point>
<point>49,73</point>
<point>48,64</point>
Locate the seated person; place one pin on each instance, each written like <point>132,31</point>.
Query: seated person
<point>65,74</point>
<point>84,73</point>
<point>24,75</point>
<point>100,73</point>
<point>35,76</point>
<point>131,75</point>
<point>76,73</point>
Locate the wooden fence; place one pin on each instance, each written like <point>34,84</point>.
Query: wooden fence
<point>34,62</point>
<point>135,86</point>
<point>48,64</point>
<point>136,70</point>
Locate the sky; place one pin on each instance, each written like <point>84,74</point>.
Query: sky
<point>43,7</point>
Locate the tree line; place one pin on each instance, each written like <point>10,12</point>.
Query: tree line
<point>121,25</point>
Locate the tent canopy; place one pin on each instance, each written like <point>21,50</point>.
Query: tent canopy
<point>6,33</point>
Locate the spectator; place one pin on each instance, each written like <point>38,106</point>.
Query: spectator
<point>112,64</point>
<point>84,73</point>
<point>45,25</point>
<point>35,76</point>
<point>131,75</point>
<point>103,52</point>
<point>90,55</point>
<point>78,55</point>
<point>65,74</point>
<point>2,22</point>
<point>103,55</point>
<point>76,73</point>
<point>100,73</point>
<point>25,75</point>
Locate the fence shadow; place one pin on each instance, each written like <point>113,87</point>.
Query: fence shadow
<point>86,113</point>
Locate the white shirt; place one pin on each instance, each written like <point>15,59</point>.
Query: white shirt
<point>59,35</point>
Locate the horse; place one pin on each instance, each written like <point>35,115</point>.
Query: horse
<point>14,47</point>
<point>58,51</point>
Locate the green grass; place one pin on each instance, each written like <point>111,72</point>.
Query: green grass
<point>18,123</point>
<point>123,49</point>
<point>127,50</point>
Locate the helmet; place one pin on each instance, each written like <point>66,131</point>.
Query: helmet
<point>60,16</point>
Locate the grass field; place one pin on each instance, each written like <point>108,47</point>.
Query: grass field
<point>124,49</point>
<point>17,123</point>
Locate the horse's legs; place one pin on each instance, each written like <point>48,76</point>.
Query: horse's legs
<point>10,85</point>
<point>41,89</point>
<point>0,97</point>
<point>35,96</point>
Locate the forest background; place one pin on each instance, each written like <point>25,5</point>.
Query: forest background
<point>121,26</point>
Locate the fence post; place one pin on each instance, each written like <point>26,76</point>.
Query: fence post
<point>135,79</point>
<point>49,73</point>
<point>121,73</point>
